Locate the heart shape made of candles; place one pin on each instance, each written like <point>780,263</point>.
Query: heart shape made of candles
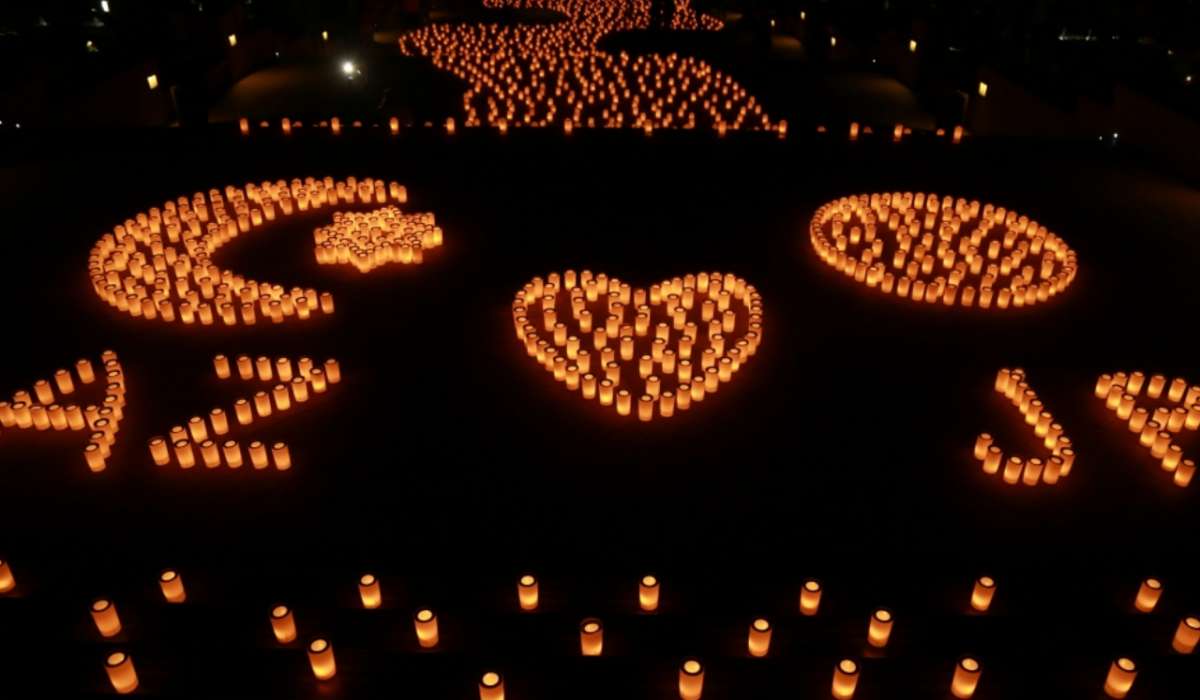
<point>662,348</point>
<point>1158,427</point>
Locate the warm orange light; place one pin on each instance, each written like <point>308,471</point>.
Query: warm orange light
<point>244,126</point>
<point>7,582</point>
<point>491,686</point>
<point>591,637</point>
<point>648,592</point>
<point>121,673</point>
<point>810,597</point>
<point>982,594</point>
<point>1148,594</point>
<point>426,625</point>
<point>104,614</point>
<point>1120,678</point>
<point>527,592</point>
<point>171,584</point>
<point>880,629</point>
<point>983,89</point>
<point>283,624</point>
<point>966,678</point>
<point>759,640</point>
<point>691,680</point>
<point>320,657</point>
<point>152,81</point>
<point>369,591</point>
<point>1187,635</point>
<point>845,679</point>
<point>232,39</point>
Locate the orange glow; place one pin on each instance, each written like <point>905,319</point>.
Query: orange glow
<point>491,686</point>
<point>1187,635</point>
<point>320,657</point>
<point>7,582</point>
<point>1014,385</point>
<point>1120,678</point>
<point>1148,594</point>
<point>648,592</point>
<point>171,584</point>
<point>1157,427</point>
<point>810,597</point>
<point>121,673</point>
<point>591,637</point>
<point>426,625</point>
<point>283,624</point>
<point>527,592</point>
<point>691,680</point>
<point>966,678</point>
<point>369,240</point>
<point>104,614</point>
<point>845,679</point>
<point>369,591</point>
<point>982,594</point>
<point>759,641</point>
<point>880,629</point>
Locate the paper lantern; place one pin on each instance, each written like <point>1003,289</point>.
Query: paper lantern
<point>966,678</point>
<point>845,679</point>
<point>648,592</point>
<point>104,614</point>
<point>880,629</point>
<point>759,641</point>
<point>369,591</point>
<point>1120,678</point>
<point>258,454</point>
<point>281,457</point>
<point>1184,472</point>
<point>121,673</point>
<point>1187,635</point>
<point>320,657</point>
<point>7,582</point>
<point>982,594</point>
<point>691,680</point>
<point>527,592</point>
<point>1148,594</point>
<point>426,625</point>
<point>810,597</point>
<point>591,637</point>
<point>171,584</point>
<point>184,454</point>
<point>283,624</point>
<point>491,686</point>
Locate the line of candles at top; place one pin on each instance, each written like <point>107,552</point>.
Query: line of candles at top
<point>539,75</point>
<point>158,264</point>
<point>296,383</point>
<point>1158,427</point>
<point>949,251</point>
<point>368,240</point>
<point>1014,385</point>
<point>284,628</point>
<point>657,350</point>
<point>43,408</point>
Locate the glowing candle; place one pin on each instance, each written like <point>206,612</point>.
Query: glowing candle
<point>982,594</point>
<point>84,369</point>
<point>245,367</point>
<point>104,614</point>
<point>648,592</point>
<point>1184,472</point>
<point>591,637</point>
<point>281,456</point>
<point>1148,594</point>
<point>283,624</point>
<point>880,629</point>
<point>220,423</point>
<point>94,456</point>
<point>221,365</point>
<point>810,597</point>
<point>320,657</point>
<point>333,371</point>
<point>1120,678</point>
<point>241,409</point>
<point>527,592</point>
<point>966,677</point>
<point>369,591</point>
<point>845,679</point>
<point>184,453</point>
<point>982,443</point>
<point>1187,635</point>
<point>121,673</point>
<point>759,641</point>
<point>7,582</point>
<point>691,680</point>
<point>491,686</point>
<point>171,584</point>
<point>425,622</point>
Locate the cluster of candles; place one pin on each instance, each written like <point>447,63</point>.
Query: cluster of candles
<point>294,384</point>
<point>1013,384</point>
<point>45,409</point>
<point>1157,428</point>
<point>158,264</point>
<point>943,250</point>
<point>651,351</point>
<point>544,75</point>
<point>368,240</point>
<point>880,625</point>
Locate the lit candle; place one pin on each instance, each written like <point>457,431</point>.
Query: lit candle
<point>1187,635</point>
<point>369,591</point>
<point>810,597</point>
<point>281,456</point>
<point>491,686</point>
<point>104,614</point>
<point>648,592</point>
<point>880,629</point>
<point>1148,594</point>
<point>966,677</point>
<point>591,637</point>
<point>691,680</point>
<point>527,592</point>
<point>1120,678</point>
<point>320,657</point>
<point>121,673</point>
<point>845,679</point>
<point>7,582</point>
<point>981,595</point>
<point>233,454</point>
<point>425,622</point>
<point>759,641</point>
<point>258,454</point>
<point>283,624</point>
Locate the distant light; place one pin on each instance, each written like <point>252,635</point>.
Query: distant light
<point>348,68</point>
<point>276,54</point>
<point>1116,135</point>
<point>91,46</point>
<point>104,5</point>
<point>912,45</point>
<point>803,15</point>
<point>324,36</point>
<point>772,24</point>
<point>833,41</point>
<point>1188,79</point>
<point>983,89</point>
<point>233,39</point>
<point>152,81</point>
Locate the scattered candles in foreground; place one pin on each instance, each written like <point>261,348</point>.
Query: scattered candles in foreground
<point>1157,427</point>
<point>845,679</point>
<point>171,584</point>
<point>1148,594</point>
<point>426,625</point>
<point>880,629</point>
<point>121,673</point>
<point>966,678</point>
<point>759,641</point>
<point>320,657</point>
<point>1120,678</point>
<point>370,592</point>
<point>1187,635</point>
<point>104,614</point>
<point>1014,385</point>
<point>946,251</point>
<point>648,591</point>
<point>591,637</point>
<point>283,624</point>
<point>691,680</point>
<point>491,686</point>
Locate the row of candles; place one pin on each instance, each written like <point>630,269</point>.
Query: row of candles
<point>1156,428</point>
<point>943,250</point>
<point>44,409</point>
<point>296,383</point>
<point>283,625</point>
<point>158,264</point>
<point>1013,384</point>
<point>678,333</point>
<point>538,75</point>
<point>368,240</point>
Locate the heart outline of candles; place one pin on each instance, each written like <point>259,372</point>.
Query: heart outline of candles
<point>675,348</point>
<point>1013,385</point>
<point>40,411</point>
<point>1128,396</point>
<point>295,382</point>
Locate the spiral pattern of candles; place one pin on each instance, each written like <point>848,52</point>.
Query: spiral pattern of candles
<point>369,240</point>
<point>296,382</point>
<point>1157,427</point>
<point>47,407</point>
<point>945,251</point>
<point>158,264</point>
<point>1014,385</point>
<point>546,74</point>
<point>654,352</point>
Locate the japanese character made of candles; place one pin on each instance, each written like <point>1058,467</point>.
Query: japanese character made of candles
<point>1014,385</point>
<point>1158,413</point>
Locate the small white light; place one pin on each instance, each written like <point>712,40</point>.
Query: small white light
<point>104,5</point>
<point>1187,79</point>
<point>348,67</point>
<point>1116,136</point>
<point>324,36</point>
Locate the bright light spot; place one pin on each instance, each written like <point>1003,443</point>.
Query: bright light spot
<point>803,15</point>
<point>152,81</point>
<point>983,89</point>
<point>1116,136</point>
<point>233,39</point>
<point>324,36</point>
<point>912,45</point>
<point>1188,80</point>
<point>348,67</point>
<point>104,5</point>
<point>833,41</point>
<point>772,24</point>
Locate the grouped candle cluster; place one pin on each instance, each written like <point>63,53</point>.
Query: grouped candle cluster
<point>294,383</point>
<point>655,351</point>
<point>48,407</point>
<point>943,250</point>
<point>1158,427</point>
<point>158,264</point>
<point>549,74</point>
<point>1014,385</point>
<point>881,624</point>
<point>368,240</point>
